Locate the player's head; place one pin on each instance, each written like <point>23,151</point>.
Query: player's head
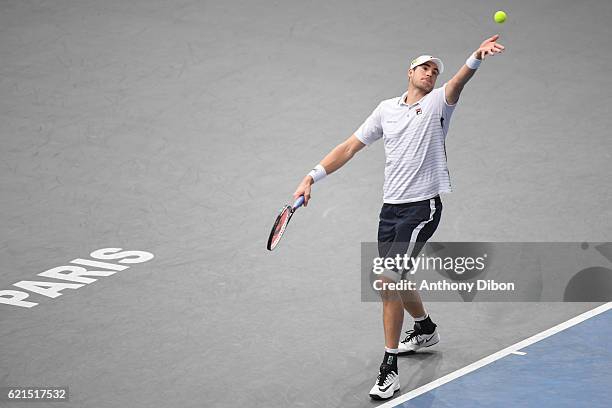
<point>424,71</point>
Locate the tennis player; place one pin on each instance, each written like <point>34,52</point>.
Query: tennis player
<point>414,128</point>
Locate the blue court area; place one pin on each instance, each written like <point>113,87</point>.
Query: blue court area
<point>572,368</point>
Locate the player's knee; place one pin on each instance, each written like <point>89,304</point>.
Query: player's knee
<point>388,292</point>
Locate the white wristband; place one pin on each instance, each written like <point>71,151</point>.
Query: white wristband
<point>473,62</point>
<point>318,173</point>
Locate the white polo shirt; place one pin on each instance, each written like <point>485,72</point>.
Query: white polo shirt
<point>415,151</point>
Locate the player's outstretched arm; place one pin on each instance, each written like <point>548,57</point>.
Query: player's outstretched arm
<point>330,163</point>
<point>490,46</point>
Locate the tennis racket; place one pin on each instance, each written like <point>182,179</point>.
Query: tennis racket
<point>282,220</point>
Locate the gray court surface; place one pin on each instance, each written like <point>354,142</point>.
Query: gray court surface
<point>180,127</point>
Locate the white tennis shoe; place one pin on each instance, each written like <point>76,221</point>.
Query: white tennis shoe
<point>387,383</point>
<point>416,340</point>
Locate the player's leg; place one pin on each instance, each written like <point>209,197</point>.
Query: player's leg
<point>393,315</point>
<point>424,332</point>
<point>387,382</point>
<point>393,310</point>
<point>403,229</point>
<point>412,302</point>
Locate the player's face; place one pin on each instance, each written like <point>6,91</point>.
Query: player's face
<point>424,76</point>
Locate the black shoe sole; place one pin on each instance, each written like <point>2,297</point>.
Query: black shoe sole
<point>379,398</point>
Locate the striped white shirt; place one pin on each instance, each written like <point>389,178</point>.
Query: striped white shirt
<point>415,151</point>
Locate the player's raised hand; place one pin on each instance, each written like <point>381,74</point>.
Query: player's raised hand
<point>490,46</point>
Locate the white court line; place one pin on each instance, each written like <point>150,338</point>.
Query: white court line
<point>496,356</point>
<point>519,353</point>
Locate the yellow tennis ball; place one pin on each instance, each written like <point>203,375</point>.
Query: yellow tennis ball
<point>500,16</point>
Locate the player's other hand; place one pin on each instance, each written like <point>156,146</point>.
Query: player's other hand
<point>303,189</point>
<point>490,46</point>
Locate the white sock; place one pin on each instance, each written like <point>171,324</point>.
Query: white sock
<point>391,351</point>
<point>420,319</point>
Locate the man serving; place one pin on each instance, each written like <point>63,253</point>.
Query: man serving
<point>414,128</point>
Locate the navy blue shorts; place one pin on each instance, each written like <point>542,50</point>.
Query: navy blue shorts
<point>404,228</point>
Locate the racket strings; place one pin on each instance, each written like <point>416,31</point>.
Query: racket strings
<point>280,228</point>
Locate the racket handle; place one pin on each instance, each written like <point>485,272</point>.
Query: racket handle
<point>298,203</point>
